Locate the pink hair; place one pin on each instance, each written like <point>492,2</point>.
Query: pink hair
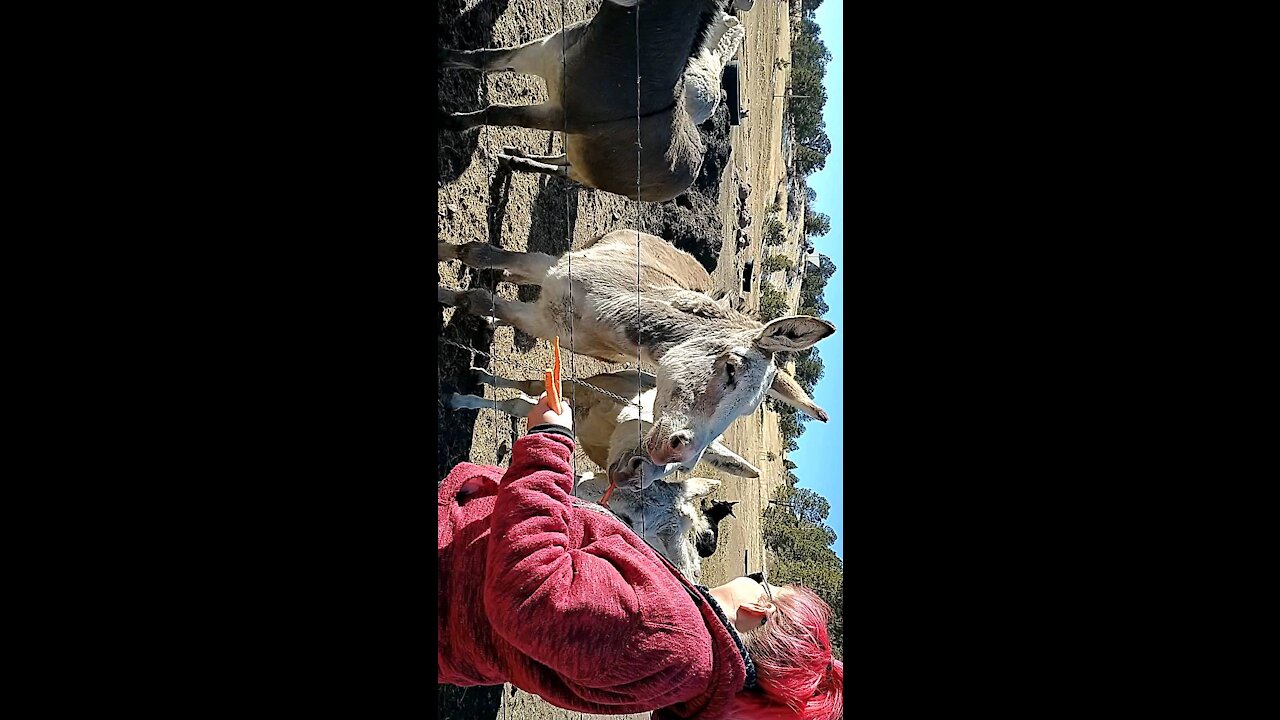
<point>797,676</point>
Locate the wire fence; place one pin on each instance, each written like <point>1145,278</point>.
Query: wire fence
<point>455,432</point>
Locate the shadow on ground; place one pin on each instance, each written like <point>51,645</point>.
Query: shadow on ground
<point>454,428</point>
<point>460,90</point>
<point>472,703</point>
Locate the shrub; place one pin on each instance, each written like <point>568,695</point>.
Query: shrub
<point>816,224</point>
<point>809,368</point>
<point>773,263</point>
<point>773,304</point>
<point>774,232</point>
<point>791,425</point>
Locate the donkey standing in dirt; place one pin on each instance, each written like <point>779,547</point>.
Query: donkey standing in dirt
<point>591,68</point>
<point>715,364</point>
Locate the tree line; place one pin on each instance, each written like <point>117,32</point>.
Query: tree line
<point>795,529</point>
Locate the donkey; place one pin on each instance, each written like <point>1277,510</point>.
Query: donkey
<point>683,48</point>
<point>709,539</point>
<point>715,364</point>
<point>608,431</point>
<point>664,515</point>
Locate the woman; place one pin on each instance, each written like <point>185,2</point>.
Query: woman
<point>558,597</point>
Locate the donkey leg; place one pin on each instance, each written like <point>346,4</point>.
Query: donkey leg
<point>522,268</point>
<point>515,407</point>
<point>527,58</point>
<point>484,60</point>
<point>545,116</point>
<point>542,57</point>
<point>494,322</point>
<point>525,317</point>
<point>510,151</point>
<point>528,164</point>
<point>532,388</point>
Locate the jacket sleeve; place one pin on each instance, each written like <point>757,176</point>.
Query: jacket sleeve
<point>607,617</point>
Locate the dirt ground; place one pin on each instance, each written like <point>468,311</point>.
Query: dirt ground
<point>478,202</point>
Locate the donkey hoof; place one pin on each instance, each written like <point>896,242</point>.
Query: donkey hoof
<point>447,58</point>
<point>455,122</point>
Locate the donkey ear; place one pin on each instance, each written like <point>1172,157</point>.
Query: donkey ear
<point>789,334</point>
<point>722,458</point>
<point>696,486</point>
<point>786,389</point>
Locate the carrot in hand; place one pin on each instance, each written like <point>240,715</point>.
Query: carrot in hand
<point>555,349</point>
<point>553,397</point>
<point>553,378</point>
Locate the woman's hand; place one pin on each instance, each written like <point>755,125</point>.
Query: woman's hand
<point>542,414</point>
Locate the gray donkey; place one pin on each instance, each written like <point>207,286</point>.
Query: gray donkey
<point>664,515</point>
<point>608,431</point>
<point>715,364</point>
<point>682,50</point>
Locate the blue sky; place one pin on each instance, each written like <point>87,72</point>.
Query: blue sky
<point>821,455</point>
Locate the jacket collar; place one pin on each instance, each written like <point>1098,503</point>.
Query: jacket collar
<point>750,683</point>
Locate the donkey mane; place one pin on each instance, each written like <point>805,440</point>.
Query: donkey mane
<point>690,147</point>
<point>686,146</point>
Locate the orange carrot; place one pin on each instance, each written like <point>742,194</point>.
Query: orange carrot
<point>553,395</point>
<point>555,348</point>
<point>552,381</point>
<point>604,501</point>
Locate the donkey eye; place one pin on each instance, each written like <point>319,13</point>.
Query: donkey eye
<point>730,369</point>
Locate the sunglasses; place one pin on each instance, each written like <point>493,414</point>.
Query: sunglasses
<point>761,578</point>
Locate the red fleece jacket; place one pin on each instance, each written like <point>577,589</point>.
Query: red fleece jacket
<point>561,599</point>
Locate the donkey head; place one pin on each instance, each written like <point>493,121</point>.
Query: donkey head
<point>712,379</point>
<point>629,465</point>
